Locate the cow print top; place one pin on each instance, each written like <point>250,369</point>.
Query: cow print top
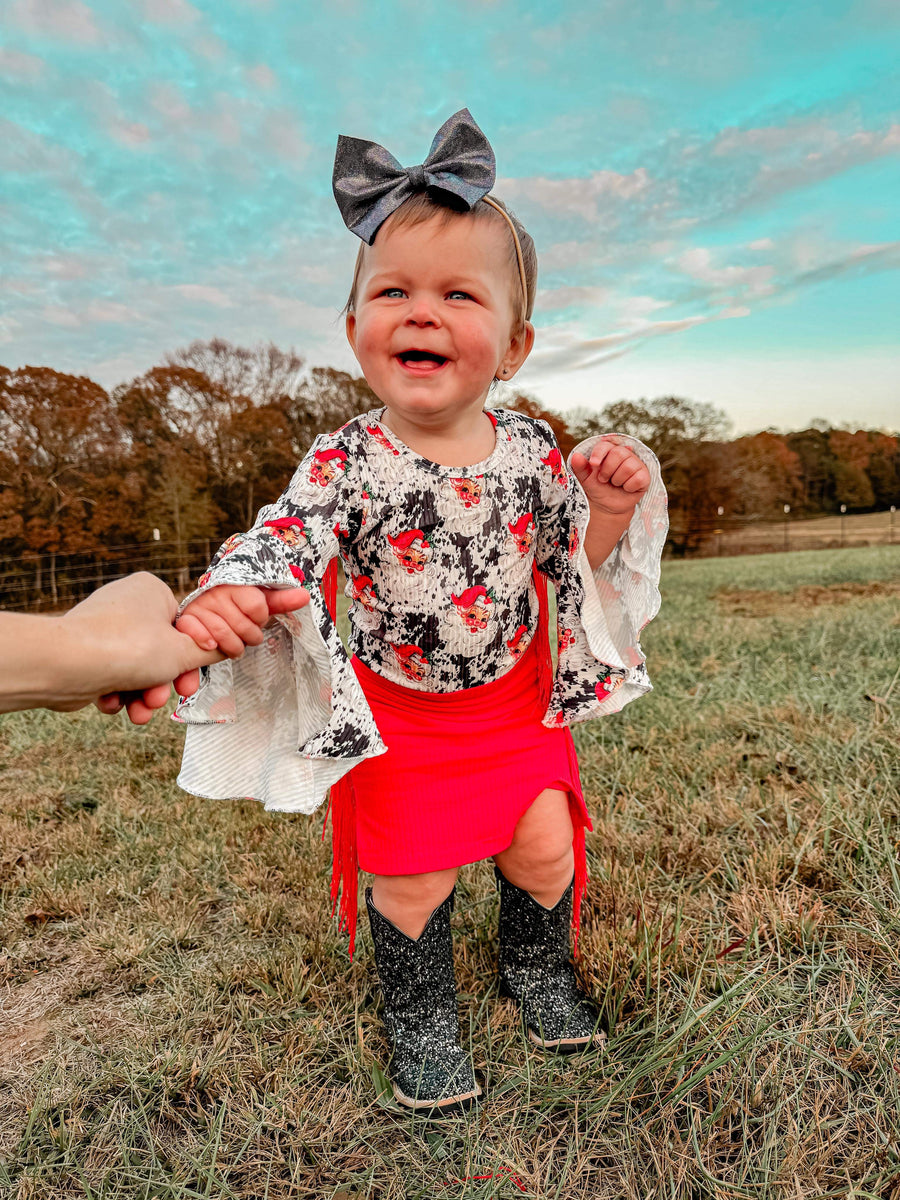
<point>438,562</point>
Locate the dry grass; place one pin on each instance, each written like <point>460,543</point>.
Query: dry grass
<point>178,1018</point>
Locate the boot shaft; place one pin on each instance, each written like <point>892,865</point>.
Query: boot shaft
<point>531,934</point>
<point>418,982</point>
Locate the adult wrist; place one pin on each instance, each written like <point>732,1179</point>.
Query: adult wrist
<point>43,664</point>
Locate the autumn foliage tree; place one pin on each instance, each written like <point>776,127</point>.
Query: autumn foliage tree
<point>191,449</point>
<point>686,438</point>
<point>58,439</point>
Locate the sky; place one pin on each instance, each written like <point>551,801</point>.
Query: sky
<point>712,185</point>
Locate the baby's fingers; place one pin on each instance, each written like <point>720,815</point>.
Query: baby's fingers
<point>195,629</point>
<point>632,476</point>
<point>282,600</point>
<point>238,629</point>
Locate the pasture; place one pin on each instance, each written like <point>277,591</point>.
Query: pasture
<point>179,1017</point>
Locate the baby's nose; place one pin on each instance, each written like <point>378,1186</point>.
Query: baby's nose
<point>422,311</point>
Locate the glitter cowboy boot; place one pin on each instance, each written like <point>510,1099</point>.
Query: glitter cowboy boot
<point>429,1070</point>
<point>536,971</point>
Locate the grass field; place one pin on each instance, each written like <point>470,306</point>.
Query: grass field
<point>179,1018</point>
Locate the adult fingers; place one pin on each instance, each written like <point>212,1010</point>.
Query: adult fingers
<point>138,712</point>
<point>187,683</point>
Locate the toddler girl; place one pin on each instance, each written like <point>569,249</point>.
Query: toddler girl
<point>444,739</point>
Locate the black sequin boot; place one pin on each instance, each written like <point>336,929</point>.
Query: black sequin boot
<point>536,971</point>
<point>429,1070</point>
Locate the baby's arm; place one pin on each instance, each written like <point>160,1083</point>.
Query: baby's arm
<point>614,479</point>
<point>231,616</point>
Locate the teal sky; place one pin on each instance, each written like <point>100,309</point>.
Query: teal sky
<point>712,186</point>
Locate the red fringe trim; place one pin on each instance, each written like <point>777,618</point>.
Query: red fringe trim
<point>545,690</point>
<point>542,640</point>
<point>342,810</point>
<point>578,848</point>
<point>344,865</point>
<point>329,588</point>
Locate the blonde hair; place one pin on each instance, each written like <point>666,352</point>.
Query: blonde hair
<point>420,208</point>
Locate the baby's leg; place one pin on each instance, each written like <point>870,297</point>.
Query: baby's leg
<point>540,859</point>
<point>409,900</point>
<point>536,891</point>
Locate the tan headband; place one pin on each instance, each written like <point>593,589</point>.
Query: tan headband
<point>519,258</point>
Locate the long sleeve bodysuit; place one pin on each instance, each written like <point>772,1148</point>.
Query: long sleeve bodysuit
<point>438,562</point>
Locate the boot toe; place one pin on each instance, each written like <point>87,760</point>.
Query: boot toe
<point>442,1081</point>
<point>564,1023</point>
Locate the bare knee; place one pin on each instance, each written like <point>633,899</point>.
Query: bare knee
<point>540,858</point>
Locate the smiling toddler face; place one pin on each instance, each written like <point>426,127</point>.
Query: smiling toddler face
<point>433,319</point>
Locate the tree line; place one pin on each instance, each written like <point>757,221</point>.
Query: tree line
<point>179,457</point>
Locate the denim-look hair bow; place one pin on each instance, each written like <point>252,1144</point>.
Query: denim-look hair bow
<point>369,184</point>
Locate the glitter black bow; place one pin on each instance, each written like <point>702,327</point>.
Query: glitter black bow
<point>369,184</point>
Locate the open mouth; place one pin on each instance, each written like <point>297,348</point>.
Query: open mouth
<point>422,360</point>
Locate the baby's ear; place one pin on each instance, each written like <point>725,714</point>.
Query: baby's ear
<point>520,345</point>
<point>350,327</point>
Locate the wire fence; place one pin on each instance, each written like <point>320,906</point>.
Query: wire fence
<point>47,582</point>
<point>731,536</point>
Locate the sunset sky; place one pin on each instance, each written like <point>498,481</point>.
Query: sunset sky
<point>712,186</point>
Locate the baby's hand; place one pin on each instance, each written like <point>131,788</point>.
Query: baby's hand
<point>231,616</point>
<point>613,478</point>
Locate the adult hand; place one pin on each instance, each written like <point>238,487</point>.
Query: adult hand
<point>118,647</point>
<point>185,656</point>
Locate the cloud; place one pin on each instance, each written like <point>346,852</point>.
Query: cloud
<point>566,297</point>
<point>14,64</point>
<point>169,12</point>
<point>26,155</point>
<point>697,263</point>
<point>588,197</point>
<point>859,260</point>
<point>56,315</point>
<point>230,123</point>
<point>109,310</point>
<point>565,349</point>
<point>61,20</point>
<point>10,329</point>
<point>768,161</point>
<point>262,76</point>
<point>206,295</point>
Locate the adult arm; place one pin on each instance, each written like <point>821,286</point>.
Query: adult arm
<point>120,639</point>
<point>108,649</point>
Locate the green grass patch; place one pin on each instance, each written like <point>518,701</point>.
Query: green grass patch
<point>179,1017</point>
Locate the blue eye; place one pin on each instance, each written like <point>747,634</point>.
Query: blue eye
<point>454,294</point>
<point>392,292</point>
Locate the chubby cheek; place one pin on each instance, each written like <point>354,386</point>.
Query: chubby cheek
<point>371,341</point>
<point>482,347</point>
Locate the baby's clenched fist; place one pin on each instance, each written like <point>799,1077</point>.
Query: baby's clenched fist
<point>613,477</point>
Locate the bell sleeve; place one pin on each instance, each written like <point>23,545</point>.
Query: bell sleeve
<point>600,613</point>
<point>287,719</point>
